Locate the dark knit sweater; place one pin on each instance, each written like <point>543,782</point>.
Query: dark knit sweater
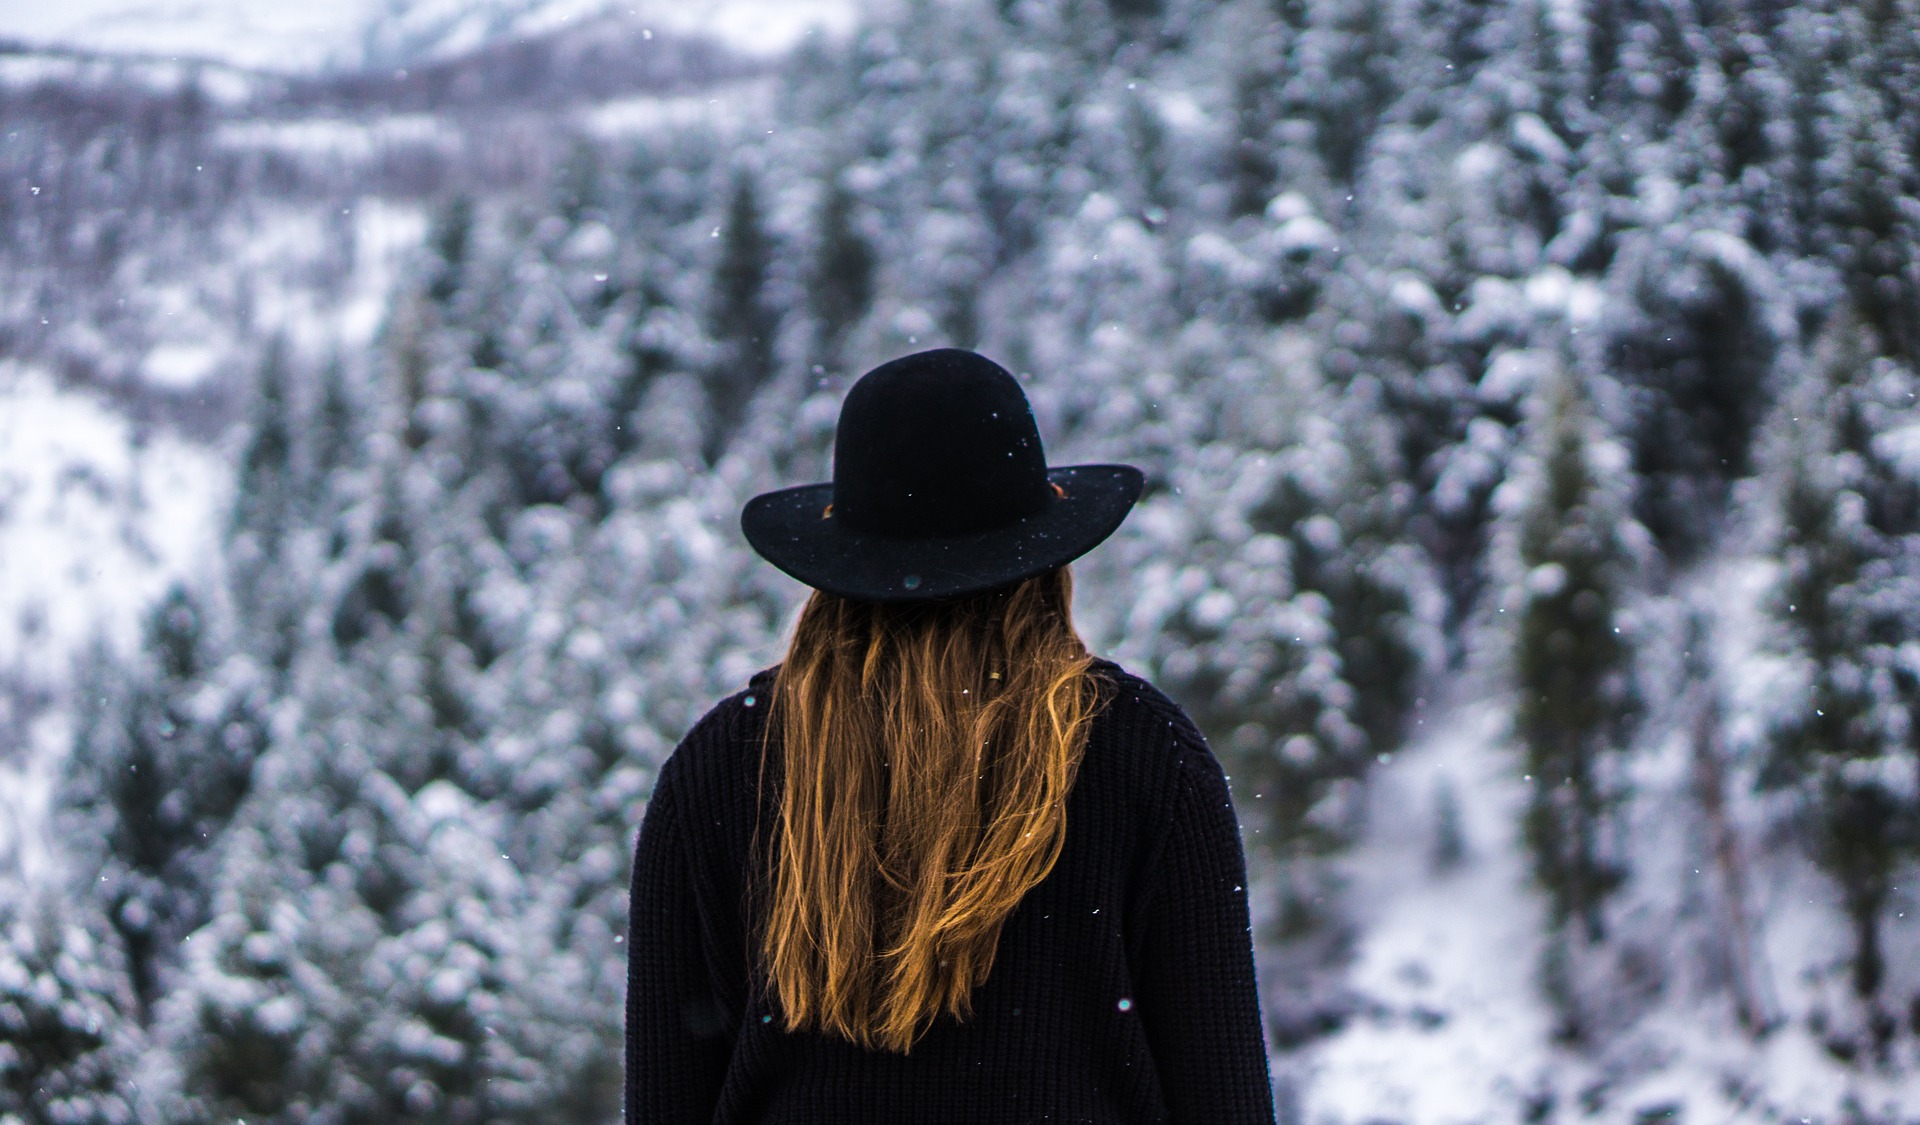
<point>1122,989</point>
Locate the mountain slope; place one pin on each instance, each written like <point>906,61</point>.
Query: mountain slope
<point>357,34</point>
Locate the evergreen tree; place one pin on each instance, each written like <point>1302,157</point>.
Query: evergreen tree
<point>1256,90</point>
<point>1147,142</point>
<point>334,434</point>
<point>1694,342</point>
<point>956,240</point>
<point>1807,67</point>
<point>1347,543</point>
<point>379,594</point>
<point>1868,207</point>
<point>263,499</point>
<point>449,240</point>
<point>1346,81</point>
<point>67,1036</point>
<point>370,961</point>
<point>1449,849</point>
<point>841,286</point>
<point>1848,521</point>
<point>1295,627</point>
<point>266,514</point>
<point>162,758</point>
<point>1570,552</point>
<point>741,316</point>
<point>577,182</point>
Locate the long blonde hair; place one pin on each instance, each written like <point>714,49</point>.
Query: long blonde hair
<point>929,749</point>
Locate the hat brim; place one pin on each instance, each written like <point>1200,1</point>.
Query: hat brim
<point>790,530</point>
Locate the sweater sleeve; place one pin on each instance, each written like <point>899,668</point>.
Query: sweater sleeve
<point>678,1036</point>
<point>1197,993</point>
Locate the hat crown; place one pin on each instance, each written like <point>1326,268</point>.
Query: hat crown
<point>937,443</point>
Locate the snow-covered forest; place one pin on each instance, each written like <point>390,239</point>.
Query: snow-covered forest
<point>1527,393</point>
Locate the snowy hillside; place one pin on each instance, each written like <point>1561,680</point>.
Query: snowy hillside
<point>383,34</point>
<point>1527,393</point>
<point>96,522</point>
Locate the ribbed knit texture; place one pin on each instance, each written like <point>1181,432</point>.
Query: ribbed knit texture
<point>1122,991</point>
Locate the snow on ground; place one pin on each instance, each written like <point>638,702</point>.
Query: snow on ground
<point>378,238</point>
<point>761,27</point>
<point>1450,1028</point>
<point>319,277</point>
<point>722,109</point>
<point>387,234</point>
<point>223,85</point>
<point>94,524</point>
<point>342,138</point>
<point>1452,1025</point>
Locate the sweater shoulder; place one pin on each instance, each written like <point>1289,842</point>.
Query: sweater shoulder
<point>1134,706</point>
<point>712,751</point>
<point>1171,773</point>
<point>1149,737</point>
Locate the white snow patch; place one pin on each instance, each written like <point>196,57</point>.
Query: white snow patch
<point>1180,111</point>
<point>1537,137</point>
<point>93,526</point>
<point>1902,447</point>
<point>341,137</point>
<point>1452,1030</point>
<point>722,108</point>
<point>761,27</point>
<point>179,364</point>
<point>1511,373</point>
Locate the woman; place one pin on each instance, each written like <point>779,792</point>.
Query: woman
<point>940,864</point>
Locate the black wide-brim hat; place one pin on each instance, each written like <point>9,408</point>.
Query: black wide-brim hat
<point>940,488</point>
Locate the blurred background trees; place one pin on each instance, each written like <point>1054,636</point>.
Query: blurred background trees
<point>1469,348</point>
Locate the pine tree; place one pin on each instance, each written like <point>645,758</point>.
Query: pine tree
<point>841,287</point>
<point>162,757</point>
<point>741,317</point>
<point>1295,626</point>
<point>1808,70</point>
<point>380,594</point>
<point>1746,976</point>
<point>67,1037</point>
<point>450,241</point>
<point>576,187</point>
<point>1348,81</point>
<point>1695,344</point>
<point>263,497</point>
<point>1251,162</point>
<point>1147,144</point>
<point>334,433</point>
<point>1869,199</point>
<point>267,513</point>
<point>1847,523</point>
<point>1570,551</point>
<point>374,955</point>
<point>1449,835</point>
